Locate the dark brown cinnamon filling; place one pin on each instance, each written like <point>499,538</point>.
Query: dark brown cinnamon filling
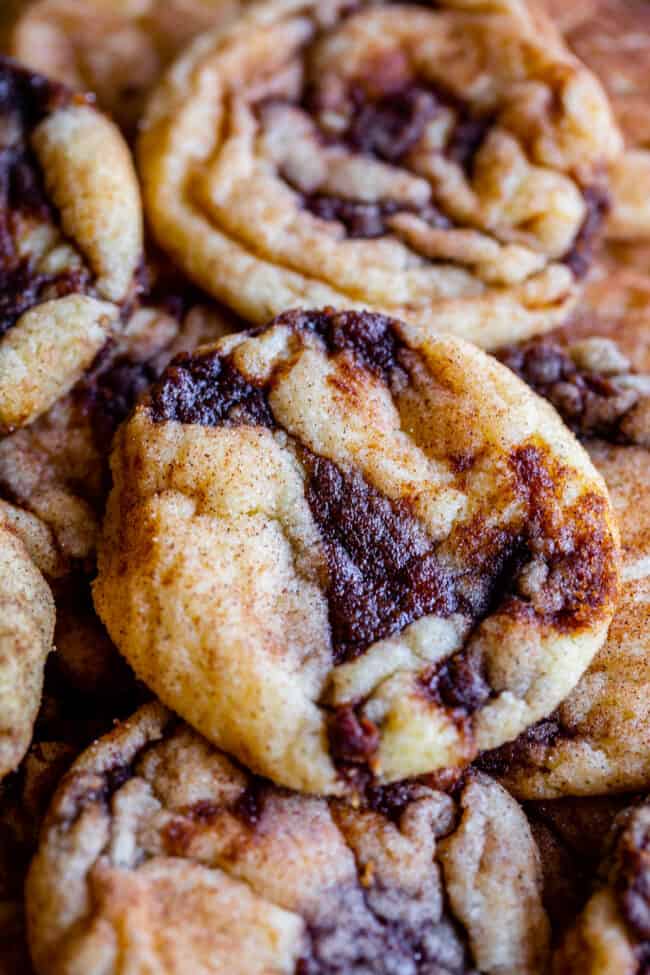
<point>25,100</point>
<point>590,403</point>
<point>387,126</point>
<point>384,572</point>
<point>382,931</point>
<point>368,220</point>
<point>388,116</point>
<point>580,257</point>
<point>517,754</point>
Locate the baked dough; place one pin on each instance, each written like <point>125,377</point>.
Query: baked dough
<point>160,855</point>
<point>329,540</point>
<point>440,162</point>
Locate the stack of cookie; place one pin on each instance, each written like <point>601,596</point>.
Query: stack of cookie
<point>324,487</point>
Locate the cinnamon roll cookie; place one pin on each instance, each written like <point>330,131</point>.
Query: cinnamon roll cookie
<point>70,240</point>
<point>612,934</point>
<point>328,541</point>
<point>26,631</point>
<point>598,739</point>
<point>115,48</point>
<point>441,162</point>
<point>159,854</point>
<point>612,37</point>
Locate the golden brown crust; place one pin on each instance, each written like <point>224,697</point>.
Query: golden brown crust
<point>426,178</point>
<point>158,851</point>
<point>596,741</point>
<point>421,516</point>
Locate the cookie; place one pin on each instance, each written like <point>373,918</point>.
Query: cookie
<point>612,37</point>
<point>116,49</point>
<point>612,936</point>
<point>158,853</point>
<point>26,631</point>
<point>360,607</point>
<point>436,162</point>
<point>70,240</point>
<point>597,740</point>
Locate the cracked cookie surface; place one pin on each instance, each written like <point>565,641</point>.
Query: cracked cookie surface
<point>158,853</point>
<point>439,162</point>
<point>70,239</point>
<point>328,540</point>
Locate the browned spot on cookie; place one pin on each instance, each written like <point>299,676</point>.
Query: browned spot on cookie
<point>461,463</point>
<point>182,830</point>
<point>250,805</point>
